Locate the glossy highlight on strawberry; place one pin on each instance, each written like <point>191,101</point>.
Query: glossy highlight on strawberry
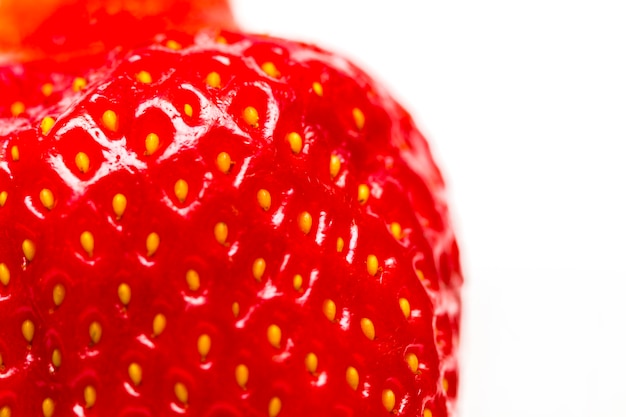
<point>220,224</point>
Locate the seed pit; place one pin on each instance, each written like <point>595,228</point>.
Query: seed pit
<point>152,133</point>
<point>81,154</point>
<point>250,108</point>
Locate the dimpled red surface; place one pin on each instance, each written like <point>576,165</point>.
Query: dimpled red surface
<point>356,311</point>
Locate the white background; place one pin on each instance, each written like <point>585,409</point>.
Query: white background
<point>524,104</point>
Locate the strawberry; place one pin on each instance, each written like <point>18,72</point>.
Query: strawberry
<point>205,222</point>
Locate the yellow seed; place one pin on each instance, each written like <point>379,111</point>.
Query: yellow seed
<point>389,400</point>
<point>173,45</point>
<point>95,332</point>
<point>445,385</point>
<point>15,153</point>
<point>412,362</point>
<point>82,162</point>
<point>144,77</point>
<point>274,407</point>
<point>109,119</point>
<point>79,84</point>
<point>359,118</point>
<point>241,375</point>
<point>297,282</point>
<point>405,307</point>
<point>87,242</point>
<point>224,162</point>
<point>17,108</point>
<point>270,69</point>
<point>368,328</point>
<point>420,274</point>
<point>352,377</point>
<point>193,280</point>
<point>5,274</point>
<point>47,198</point>
<point>310,361</point>
<point>204,345</point>
<point>396,230</point>
<point>428,413</point>
<point>188,109</point>
<point>340,244</point>
<point>135,373</point>
<point>214,80</point>
<point>305,221</point>
<point>235,309</point>
<point>335,165</point>
<point>251,116</point>
<point>158,324</point>
<point>220,39</point>
<point>221,232</point>
<point>317,88</point>
<point>28,248</point>
<point>46,125</point>
<point>330,309</point>
<point>180,390</point>
<point>264,198</point>
<point>152,243</point>
<point>56,358</point>
<point>90,396</point>
<point>295,142</point>
<point>47,407</point>
<point>152,143</point>
<point>47,89</point>
<point>5,411</point>
<point>28,330</point>
<point>124,293</point>
<point>363,193</point>
<point>181,190</point>
<point>372,265</point>
<point>119,205</point>
<point>58,294</point>
<point>3,198</point>
<point>274,334</point>
<point>258,268</point>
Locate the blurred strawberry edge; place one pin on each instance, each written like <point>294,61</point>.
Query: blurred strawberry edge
<point>63,29</point>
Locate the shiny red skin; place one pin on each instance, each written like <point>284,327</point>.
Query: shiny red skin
<point>388,154</point>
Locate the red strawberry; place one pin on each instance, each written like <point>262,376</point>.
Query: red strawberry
<point>218,224</point>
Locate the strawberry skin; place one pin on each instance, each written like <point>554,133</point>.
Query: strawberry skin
<point>228,225</point>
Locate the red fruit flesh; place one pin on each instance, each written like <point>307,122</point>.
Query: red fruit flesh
<point>282,249</point>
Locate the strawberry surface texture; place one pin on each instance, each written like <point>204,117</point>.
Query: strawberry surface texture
<point>211,223</point>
